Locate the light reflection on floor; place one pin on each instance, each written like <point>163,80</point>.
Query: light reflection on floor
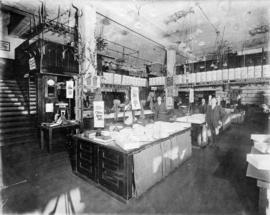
<point>66,203</point>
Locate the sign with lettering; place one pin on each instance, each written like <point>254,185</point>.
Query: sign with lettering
<point>98,114</point>
<point>135,102</point>
<point>69,89</point>
<point>32,63</point>
<point>4,45</point>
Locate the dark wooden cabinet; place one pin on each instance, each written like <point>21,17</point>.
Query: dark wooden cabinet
<point>125,174</point>
<point>112,169</point>
<point>87,159</point>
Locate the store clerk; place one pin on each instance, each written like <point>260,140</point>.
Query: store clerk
<point>160,109</point>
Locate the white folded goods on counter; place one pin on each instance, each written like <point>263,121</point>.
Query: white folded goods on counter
<point>262,144</point>
<point>195,118</point>
<point>131,138</point>
<point>260,161</point>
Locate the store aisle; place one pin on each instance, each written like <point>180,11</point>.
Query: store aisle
<point>194,188</point>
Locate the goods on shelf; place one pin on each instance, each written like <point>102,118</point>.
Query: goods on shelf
<point>203,76</point>
<point>237,72</point>
<point>192,78</point>
<point>209,76</point>
<point>219,75</point>
<point>108,78</point>
<point>231,74</point>
<point>250,72</point>
<point>214,75</point>
<point>266,71</point>
<point>117,79</point>
<point>225,74</point>
<point>198,77</point>
<point>244,74</point>
<point>258,71</point>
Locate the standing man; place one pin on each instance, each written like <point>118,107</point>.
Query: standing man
<point>214,118</point>
<point>160,110</point>
<point>203,107</point>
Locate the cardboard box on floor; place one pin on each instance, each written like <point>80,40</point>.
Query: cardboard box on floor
<point>253,172</point>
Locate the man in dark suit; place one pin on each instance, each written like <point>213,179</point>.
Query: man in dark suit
<point>203,106</point>
<point>214,118</point>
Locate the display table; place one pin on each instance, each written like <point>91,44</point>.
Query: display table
<point>260,170</point>
<point>129,173</point>
<point>121,114</point>
<point>57,134</point>
<point>198,128</point>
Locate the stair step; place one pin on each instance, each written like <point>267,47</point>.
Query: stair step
<point>16,99</point>
<point>3,109</point>
<point>8,81</point>
<point>15,104</point>
<point>4,131</point>
<point>16,92</point>
<point>26,139</point>
<point>10,108</point>
<point>14,118</point>
<point>12,133</point>
<point>9,124</point>
<point>17,113</point>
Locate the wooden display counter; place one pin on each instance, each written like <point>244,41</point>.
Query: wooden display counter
<point>127,174</point>
<point>259,169</point>
<point>198,128</point>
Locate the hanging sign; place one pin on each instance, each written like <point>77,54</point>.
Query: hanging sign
<point>32,63</point>
<point>49,108</point>
<point>69,89</point>
<point>191,95</point>
<point>170,91</point>
<point>135,102</point>
<point>169,102</point>
<point>169,81</point>
<point>98,114</point>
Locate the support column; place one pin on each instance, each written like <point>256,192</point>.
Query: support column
<point>170,86</point>
<point>86,55</point>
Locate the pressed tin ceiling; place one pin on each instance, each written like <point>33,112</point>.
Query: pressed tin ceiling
<point>189,26</point>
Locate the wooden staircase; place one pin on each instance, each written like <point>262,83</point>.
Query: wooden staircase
<point>21,158</point>
<point>17,115</point>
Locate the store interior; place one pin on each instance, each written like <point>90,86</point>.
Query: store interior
<point>137,106</point>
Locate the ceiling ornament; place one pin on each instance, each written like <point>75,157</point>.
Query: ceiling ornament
<point>178,15</point>
<point>259,30</point>
<point>139,4</point>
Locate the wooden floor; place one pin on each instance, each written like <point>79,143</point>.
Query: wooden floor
<point>213,181</point>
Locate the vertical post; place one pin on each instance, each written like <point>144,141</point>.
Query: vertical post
<point>86,46</point>
<point>171,59</point>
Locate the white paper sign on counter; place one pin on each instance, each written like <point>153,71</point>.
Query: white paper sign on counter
<point>135,101</point>
<point>69,89</point>
<point>98,114</point>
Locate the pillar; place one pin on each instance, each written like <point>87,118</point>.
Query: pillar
<point>170,86</point>
<point>86,54</point>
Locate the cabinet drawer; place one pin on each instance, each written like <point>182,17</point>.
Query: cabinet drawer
<point>111,156</point>
<point>85,155</point>
<point>84,146</point>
